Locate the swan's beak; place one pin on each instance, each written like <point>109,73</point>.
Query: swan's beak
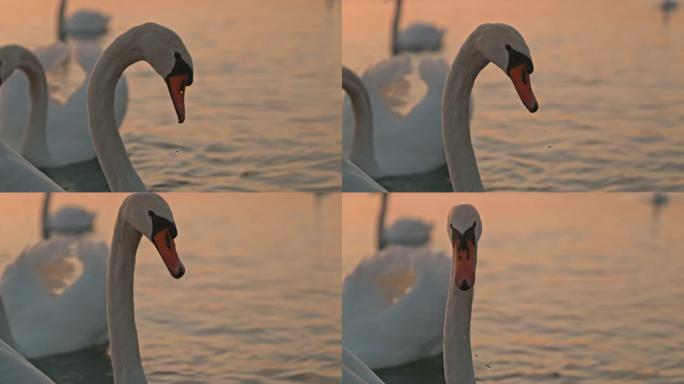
<point>167,250</point>
<point>465,259</point>
<point>521,82</point>
<point>177,86</point>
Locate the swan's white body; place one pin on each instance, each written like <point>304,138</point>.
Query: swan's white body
<point>140,215</point>
<point>354,168</point>
<point>405,231</point>
<point>165,52</point>
<point>68,133</point>
<point>68,220</point>
<point>47,323</point>
<point>408,144</point>
<point>82,23</point>
<point>355,371</point>
<point>417,37</point>
<point>384,322</point>
<point>506,48</point>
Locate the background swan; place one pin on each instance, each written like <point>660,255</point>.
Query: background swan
<point>46,318</point>
<point>393,306</point>
<point>166,53</point>
<point>17,174</point>
<point>416,37</point>
<point>407,144</point>
<point>406,231</point>
<point>68,133</point>
<point>83,23</point>
<point>502,45</point>
<point>354,176</point>
<point>68,220</point>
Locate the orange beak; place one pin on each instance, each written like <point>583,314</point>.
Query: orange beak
<point>167,250</point>
<point>465,260</point>
<point>176,85</point>
<point>521,82</point>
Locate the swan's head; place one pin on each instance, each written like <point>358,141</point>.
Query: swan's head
<point>150,215</point>
<point>166,53</point>
<point>464,228</point>
<point>10,59</point>
<point>506,48</point>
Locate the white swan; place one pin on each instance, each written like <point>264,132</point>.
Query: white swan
<point>355,371</point>
<point>16,173</point>
<point>502,45</point>
<point>407,144</point>
<point>354,177</point>
<point>68,220</point>
<point>82,23</point>
<point>464,228</point>
<point>406,231</point>
<point>393,306</point>
<point>67,130</point>
<point>140,215</point>
<point>166,53</point>
<point>45,322</point>
<point>416,37</point>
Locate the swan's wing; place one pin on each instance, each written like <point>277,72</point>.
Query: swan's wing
<point>387,84</point>
<point>18,175</point>
<point>14,369</point>
<point>408,231</point>
<point>421,37</point>
<point>87,23</point>
<point>354,371</point>
<point>72,219</point>
<point>354,179</point>
<point>52,56</point>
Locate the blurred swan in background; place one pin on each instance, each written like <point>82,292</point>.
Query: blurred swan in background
<point>83,23</point>
<point>47,314</point>
<point>393,306</point>
<point>416,37</point>
<point>403,145</point>
<point>406,231</point>
<point>67,130</point>
<point>354,178</point>
<point>504,46</point>
<point>68,220</point>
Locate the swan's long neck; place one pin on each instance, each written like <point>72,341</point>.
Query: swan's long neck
<point>45,225</point>
<point>61,30</point>
<point>395,28</point>
<point>458,360</point>
<point>109,147</point>
<point>34,147</point>
<point>363,147</point>
<point>458,147</point>
<point>381,222</point>
<point>123,335</point>
<point>5,331</point>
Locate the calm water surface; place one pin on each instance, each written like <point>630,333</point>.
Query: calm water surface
<point>259,302</point>
<point>607,76</point>
<point>571,288</point>
<point>262,114</point>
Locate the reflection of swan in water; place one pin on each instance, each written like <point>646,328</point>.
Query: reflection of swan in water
<point>406,231</point>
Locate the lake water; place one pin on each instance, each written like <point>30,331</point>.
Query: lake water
<point>571,288</point>
<point>607,76</point>
<point>262,114</point>
<point>260,299</point>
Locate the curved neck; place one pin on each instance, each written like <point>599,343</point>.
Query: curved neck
<point>5,331</point>
<point>381,222</point>
<point>34,147</point>
<point>109,147</point>
<point>362,150</point>
<point>458,147</point>
<point>61,30</point>
<point>395,28</point>
<point>458,360</point>
<point>123,334</point>
<point>45,225</point>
